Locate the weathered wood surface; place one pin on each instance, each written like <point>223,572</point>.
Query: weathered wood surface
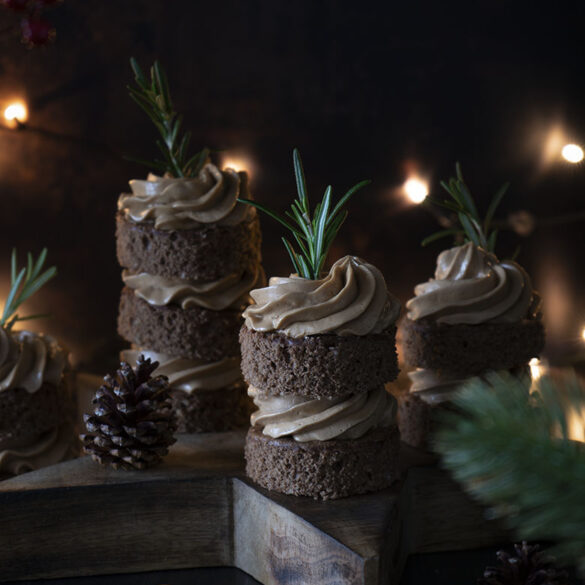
<point>197,509</point>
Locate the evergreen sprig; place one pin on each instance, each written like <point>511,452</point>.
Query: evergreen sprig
<point>313,232</point>
<point>472,227</point>
<point>23,284</point>
<point>154,97</point>
<point>515,455</point>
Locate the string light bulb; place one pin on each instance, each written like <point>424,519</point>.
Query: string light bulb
<point>238,164</point>
<point>572,153</point>
<point>416,190</point>
<point>15,114</point>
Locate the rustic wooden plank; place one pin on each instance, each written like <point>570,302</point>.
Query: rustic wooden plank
<point>78,518</point>
<point>197,510</point>
<point>442,517</point>
<point>277,547</point>
<point>365,524</point>
<point>114,528</point>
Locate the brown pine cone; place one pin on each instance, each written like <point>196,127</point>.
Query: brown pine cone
<point>530,566</point>
<point>133,423</point>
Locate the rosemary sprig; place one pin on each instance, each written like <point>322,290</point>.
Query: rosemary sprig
<point>472,227</point>
<point>154,97</point>
<point>313,232</point>
<point>23,284</point>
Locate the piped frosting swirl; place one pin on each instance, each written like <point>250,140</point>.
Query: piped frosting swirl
<point>49,448</point>
<point>27,360</point>
<point>228,292</point>
<point>190,375</point>
<point>352,299</point>
<point>322,419</point>
<point>186,203</point>
<point>437,387</point>
<point>472,286</point>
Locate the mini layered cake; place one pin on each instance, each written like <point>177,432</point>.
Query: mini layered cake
<point>36,406</point>
<point>316,355</point>
<point>190,255</point>
<point>476,314</point>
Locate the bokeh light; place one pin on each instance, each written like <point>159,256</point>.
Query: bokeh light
<point>416,190</point>
<point>572,153</point>
<point>16,113</point>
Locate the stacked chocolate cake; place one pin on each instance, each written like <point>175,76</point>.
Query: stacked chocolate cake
<point>477,314</point>
<point>37,409</point>
<point>316,354</point>
<point>190,254</point>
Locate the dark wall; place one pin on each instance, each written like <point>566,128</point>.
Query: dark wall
<point>364,89</point>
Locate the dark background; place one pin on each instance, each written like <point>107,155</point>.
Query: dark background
<point>364,89</point>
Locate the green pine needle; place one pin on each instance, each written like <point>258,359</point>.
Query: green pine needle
<point>153,96</point>
<point>514,454</point>
<point>472,227</point>
<point>313,232</point>
<point>23,284</point>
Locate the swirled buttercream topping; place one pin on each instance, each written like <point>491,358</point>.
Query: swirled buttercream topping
<point>471,286</point>
<point>429,386</point>
<point>51,447</point>
<point>435,388</point>
<point>190,375</point>
<point>322,419</point>
<point>27,360</point>
<point>351,300</point>
<point>228,292</point>
<point>186,203</point>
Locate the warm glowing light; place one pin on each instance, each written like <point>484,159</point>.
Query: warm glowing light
<point>537,369</point>
<point>576,425</point>
<point>16,113</point>
<point>416,190</point>
<point>238,163</point>
<point>572,153</point>
<point>583,333</point>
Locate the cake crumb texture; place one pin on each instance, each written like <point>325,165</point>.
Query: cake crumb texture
<point>212,410</point>
<point>193,333</point>
<point>467,350</point>
<point>317,365</point>
<point>323,469</point>
<point>204,254</point>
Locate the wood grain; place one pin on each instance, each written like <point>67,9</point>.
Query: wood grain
<point>198,510</point>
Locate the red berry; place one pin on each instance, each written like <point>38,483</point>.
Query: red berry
<point>16,5</point>
<point>37,32</point>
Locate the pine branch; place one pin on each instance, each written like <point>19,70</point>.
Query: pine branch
<point>463,205</point>
<point>515,455</point>
<point>313,232</point>
<point>23,284</point>
<point>154,98</point>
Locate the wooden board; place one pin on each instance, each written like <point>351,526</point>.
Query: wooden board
<point>197,509</point>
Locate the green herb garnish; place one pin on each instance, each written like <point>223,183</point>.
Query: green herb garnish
<point>472,227</point>
<point>23,284</point>
<point>155,99</point>
<point>314,233</point>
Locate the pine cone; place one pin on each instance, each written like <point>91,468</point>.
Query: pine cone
<point>530,566</point>
<point>133,422</point>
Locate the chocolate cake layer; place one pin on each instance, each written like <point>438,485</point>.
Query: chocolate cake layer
<point>465,350</point>
<point>212,410</point>
<point>317,365</point>
<point>323,469</point>
<point>194,333</point>
<point>203,254</point>
<point>24,416</point>
<point>415,420</point>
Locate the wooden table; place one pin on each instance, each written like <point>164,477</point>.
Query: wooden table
<point>197,509</point>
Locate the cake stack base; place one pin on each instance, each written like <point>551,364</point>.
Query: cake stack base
<point>197,509</point>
